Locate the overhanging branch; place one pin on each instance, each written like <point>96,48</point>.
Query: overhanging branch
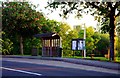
<point>117,4</point>
<point>71,8</point>
<point>93,4</point>
<point>109,4</point>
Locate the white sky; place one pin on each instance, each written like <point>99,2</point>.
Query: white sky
<point>87,19</point>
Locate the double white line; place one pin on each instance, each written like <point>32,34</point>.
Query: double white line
<point>21,71</point>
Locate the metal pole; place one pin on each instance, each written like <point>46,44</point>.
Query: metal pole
<point>85,40</point>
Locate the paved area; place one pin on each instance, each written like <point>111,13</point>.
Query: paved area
<point>108,65</point>
<point>58,64</point>
<point>37,67</point>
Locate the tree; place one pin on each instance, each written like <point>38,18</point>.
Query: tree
<point>105,9</point>
<point>6,45</point>
<point>103,44</point>
<point>19,18</point>
<point>118,46</point>
<point>80,31</point>
<point>67,34</point>
<point>51,26</point>
<point>118,26</point>
<point>118,36</point>
<point>96,37</point>
<point>91,40</point>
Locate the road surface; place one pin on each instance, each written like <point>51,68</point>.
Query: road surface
<point>18,67</point>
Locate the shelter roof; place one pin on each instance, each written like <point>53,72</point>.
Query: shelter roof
<point>48,35</point>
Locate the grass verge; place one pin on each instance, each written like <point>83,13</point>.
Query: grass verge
<point>95,58</point>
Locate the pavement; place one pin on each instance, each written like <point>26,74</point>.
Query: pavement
<point>33,67</point>
<point>102,64</point>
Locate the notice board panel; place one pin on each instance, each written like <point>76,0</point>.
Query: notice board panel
<point>78,44</point>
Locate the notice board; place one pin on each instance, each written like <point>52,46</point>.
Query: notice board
<point>78,44</point>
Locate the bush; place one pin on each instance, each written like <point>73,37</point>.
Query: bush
<point>117,54</point>
<point>6,46</point>
<point>67,52</point>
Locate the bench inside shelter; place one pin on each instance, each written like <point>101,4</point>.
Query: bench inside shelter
<point>51,44</point>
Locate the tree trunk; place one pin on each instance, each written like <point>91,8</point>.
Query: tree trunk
<point>21,45</point>
<point>112,34</point>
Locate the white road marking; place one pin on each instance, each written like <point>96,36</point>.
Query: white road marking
<point>21,71</point>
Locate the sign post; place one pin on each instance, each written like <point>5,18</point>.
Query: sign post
<point>84,39</point>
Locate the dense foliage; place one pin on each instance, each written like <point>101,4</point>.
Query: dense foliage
<point>106,10</point>
<point>21,22</point>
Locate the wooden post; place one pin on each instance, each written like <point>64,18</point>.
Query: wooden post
<point>51,54</point>
<point>42,46</point>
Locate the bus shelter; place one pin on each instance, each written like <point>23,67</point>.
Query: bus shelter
<point>51,44</point>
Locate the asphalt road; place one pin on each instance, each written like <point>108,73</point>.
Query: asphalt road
<point>26,69</point>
